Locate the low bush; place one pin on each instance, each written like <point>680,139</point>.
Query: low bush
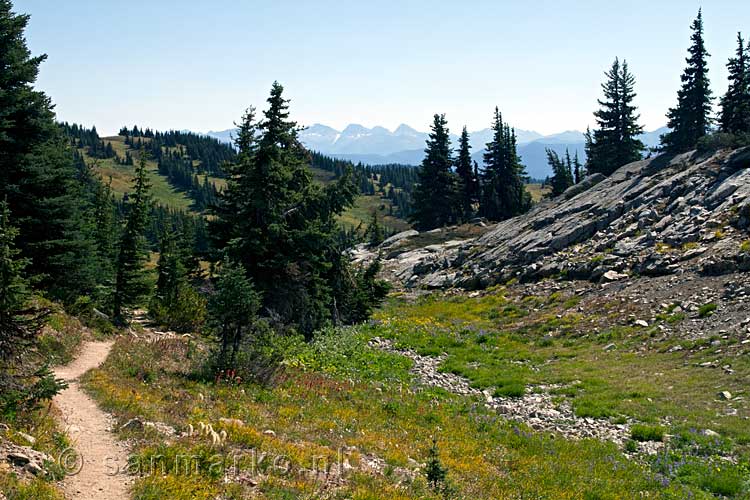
<point>707,310</point>
<point>640,432</point>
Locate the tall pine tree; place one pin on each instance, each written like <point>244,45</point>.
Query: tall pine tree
<point>562,174</point>
<point>434,200</point>
<point>690,119</point>
<point>503,180</point>
<point>132,284</point>
<point>735,104</point>
<point>467,183</point>
<point>281,226</point>
<point>37,173</point>
<point>615,142</point>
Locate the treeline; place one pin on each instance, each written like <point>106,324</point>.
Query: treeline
<point>183,157</point>
<point>394,182</point>
<point>88,140</point>
<point>209,153</point>
<point>452,188</point>
<point>181,173</point>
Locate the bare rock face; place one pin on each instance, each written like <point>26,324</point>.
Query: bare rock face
<point>654,217</point>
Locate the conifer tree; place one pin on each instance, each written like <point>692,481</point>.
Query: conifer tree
<point>16,332</point>
<point>435,196</point>
<point>233,310</point>
<point>374,233</point>
<point>690,119</point>
<point>562,175</point>
<point>23,382</point>
<point>735,104</point>
<point>281,226</point>
<point>131,276</point>
<point>37,173</point>
<point>503,179</point>
<point>614,142</point>
<point>466,180</point>
<point>175,303</point>
<point>577,169</point>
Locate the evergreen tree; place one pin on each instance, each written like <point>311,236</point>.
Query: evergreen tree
<point>131,277</point>
<point>614,143</point>
<point>374,233</point>
<point>503,179</point>
<point>577,169</point>
<point>15,330</point>
<point>467,192</point>
<point>435,196</point>
<point>37,173</point>
<point>435,472</point>
<point>278,223</point>
<point>562,175</point>
<point>735,104</point>
<point>23,382</point>
<point>690,119</point>
<point>176,303</point>
<point>233,310</point>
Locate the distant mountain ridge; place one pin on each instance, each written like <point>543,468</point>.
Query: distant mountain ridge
<point>378,145</point>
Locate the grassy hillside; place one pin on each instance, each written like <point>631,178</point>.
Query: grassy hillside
<point>163,193</point>
<point>364,206</point>
<point>122,177</point>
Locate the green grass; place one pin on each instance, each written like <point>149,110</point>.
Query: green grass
<point>361,213</point>
<point>537,191</point>
<point>639,432</point>
<point>122,178</point>
<point>337,392</point>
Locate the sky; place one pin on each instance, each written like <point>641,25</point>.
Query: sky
<point>188,64</point>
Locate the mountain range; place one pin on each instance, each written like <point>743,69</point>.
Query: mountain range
<point>405,145</point>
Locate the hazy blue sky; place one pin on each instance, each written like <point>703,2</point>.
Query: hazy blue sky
<point>198,64</point>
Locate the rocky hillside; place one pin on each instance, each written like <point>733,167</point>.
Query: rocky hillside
<point>656,217</point>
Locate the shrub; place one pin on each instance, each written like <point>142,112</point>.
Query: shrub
<point>721,140</point>
<point>511,389</point>
<point>642,433</point>
<point>707,310</point>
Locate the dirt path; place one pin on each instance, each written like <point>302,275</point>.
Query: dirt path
<point>89,429</point>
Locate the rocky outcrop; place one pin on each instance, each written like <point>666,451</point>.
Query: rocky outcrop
<point>654,217</point>
<point>24,458</point>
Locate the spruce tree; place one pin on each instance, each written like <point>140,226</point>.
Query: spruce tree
<point>233,310</point>
<point>374,233</point>
<point>37,172</point>
<point>275,221</point>
<point>175,303</point>
<point>466,180</point>
<point>562,175</point>
<point>614,142</point>
<point>435,195</point>
<point>503,180</point>
<point>15,333</point>
<point>577,169</point>
<point>735,104</point>
<point>131,277</point>
<point>23,381</point>
<point>690,119</point>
